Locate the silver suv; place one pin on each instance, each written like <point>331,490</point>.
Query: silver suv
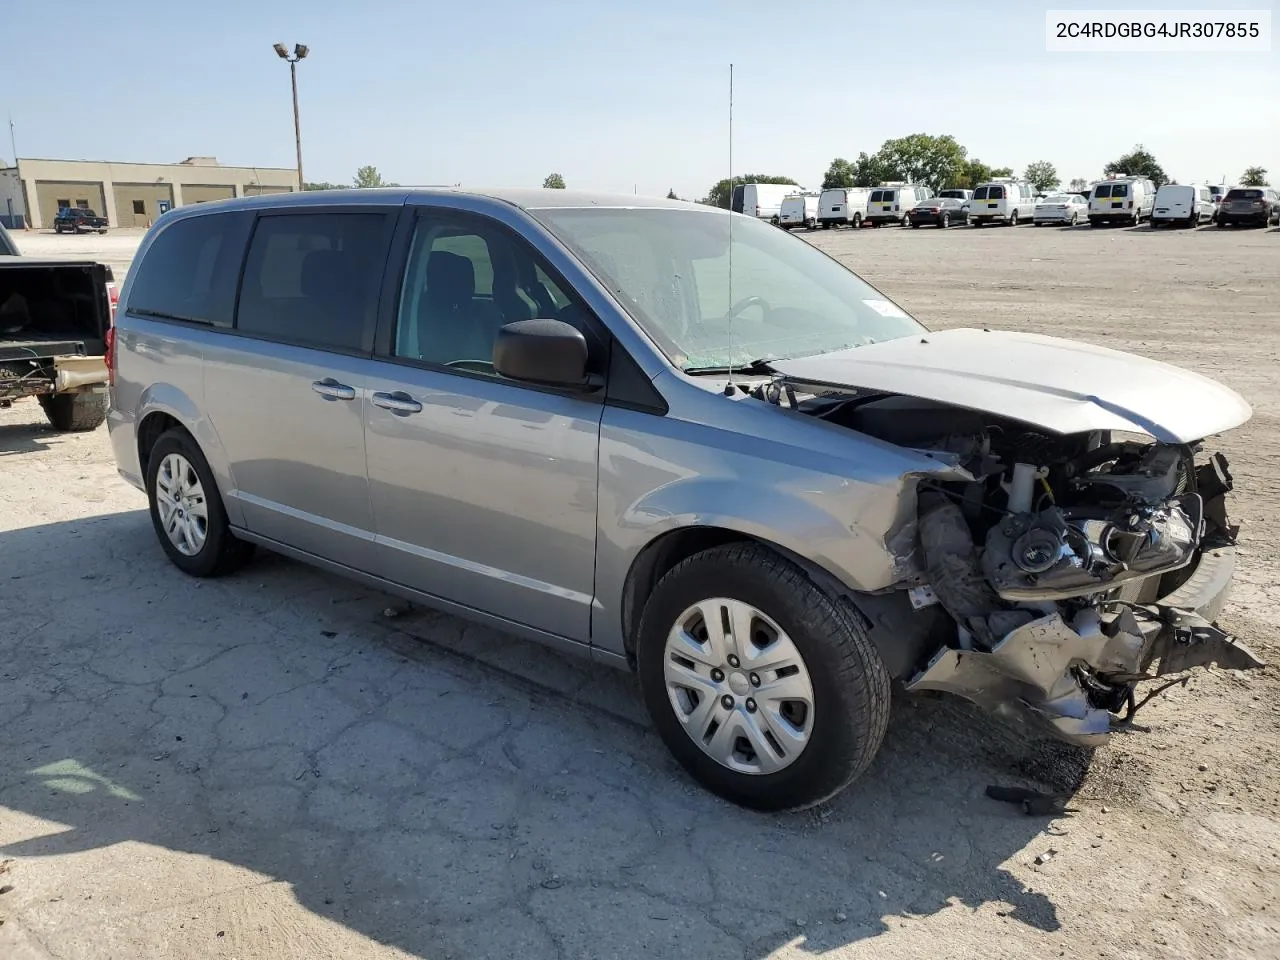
<point>679,441</point>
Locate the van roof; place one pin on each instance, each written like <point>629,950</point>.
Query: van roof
<point>525,198</point>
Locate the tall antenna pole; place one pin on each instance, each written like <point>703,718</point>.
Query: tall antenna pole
<point>728,390</point>
<point>13,142</point>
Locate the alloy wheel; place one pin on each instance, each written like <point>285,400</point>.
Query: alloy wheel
<point>180,500</point>
<point>739,686</point>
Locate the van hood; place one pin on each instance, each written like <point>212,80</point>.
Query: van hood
<point>1057,385</point>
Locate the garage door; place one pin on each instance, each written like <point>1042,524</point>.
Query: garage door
<point>138,204</point>
<point>52,194</point>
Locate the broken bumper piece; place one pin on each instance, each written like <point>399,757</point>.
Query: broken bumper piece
<point>1069,678</point>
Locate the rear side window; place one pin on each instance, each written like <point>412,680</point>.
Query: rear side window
<point>313,279</point>
<point>876,196</point>
<point>191,268</point>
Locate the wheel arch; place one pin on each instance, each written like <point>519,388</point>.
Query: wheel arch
<point>163,407</point>
<point>902,635</point>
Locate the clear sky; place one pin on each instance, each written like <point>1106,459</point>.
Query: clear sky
<point>614,95</point>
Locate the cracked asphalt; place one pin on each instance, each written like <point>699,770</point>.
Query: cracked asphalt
<point>270,766</point>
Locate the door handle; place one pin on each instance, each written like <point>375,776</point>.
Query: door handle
<point>398,402</point>
<point>331,389</point>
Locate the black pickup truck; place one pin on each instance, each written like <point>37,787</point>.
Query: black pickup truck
<point>54,321</point>
<point>79,220</point>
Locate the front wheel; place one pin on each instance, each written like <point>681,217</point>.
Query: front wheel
<point>187,511</point>
<point>766,690</point>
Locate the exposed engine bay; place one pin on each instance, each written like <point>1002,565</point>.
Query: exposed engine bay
<point>1060,561</point>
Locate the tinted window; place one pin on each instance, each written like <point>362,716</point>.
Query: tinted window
<point>465,279</point>
<point>1119,190</point>
<point>313,278</point>
<point>190,270</point>
<point>735,201</point>
<point>876,196</point>
<point>1244,194</point>
<point>980,193</point>
<point>995,193</point>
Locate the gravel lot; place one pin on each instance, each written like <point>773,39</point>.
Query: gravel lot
<point>267,766</point>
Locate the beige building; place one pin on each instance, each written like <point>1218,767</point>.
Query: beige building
<point>128,194</point>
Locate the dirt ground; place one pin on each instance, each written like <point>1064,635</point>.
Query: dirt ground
<point>268,767</point>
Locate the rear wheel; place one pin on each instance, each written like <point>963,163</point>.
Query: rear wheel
<point>1074,218</point>
<point>187,511</point>
<point>946,221</point>
<point>767,691</point>
<point>1013,219</point>
<point>857,220</point>
<point>915,226</point>
<point>75,412</point>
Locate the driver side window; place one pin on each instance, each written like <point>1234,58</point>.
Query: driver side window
<point>465,279</point>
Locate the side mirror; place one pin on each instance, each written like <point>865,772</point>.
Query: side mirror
<point>550,353</point>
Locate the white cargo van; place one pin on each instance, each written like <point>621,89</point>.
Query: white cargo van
<point>1183,203</point>
<point>1003,201</point>
<point>843,205</point>
<point>799,210</point>
<point>763,200</point>
<point>1121,199</point>
<point>890,202</point>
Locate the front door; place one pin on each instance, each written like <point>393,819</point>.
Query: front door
<point>286,396</point>
<point>483,490</point>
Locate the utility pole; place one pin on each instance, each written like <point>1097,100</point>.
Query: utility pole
<point>300,51</point>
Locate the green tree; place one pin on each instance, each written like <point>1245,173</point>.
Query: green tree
<point>974,173</point>
<point>1079,185</point>
<point>1042,175</point>
<point>1138,162</point>
<point>323,185</point>
<point>870,171</point>
<point>553,182</point>
<point>671,194</point>
<point>999,173</point>
<point>1254,177</point>
<point>841,173</point>
<point>368,176</point>
<point>933,161</point>
<point>721,193</point>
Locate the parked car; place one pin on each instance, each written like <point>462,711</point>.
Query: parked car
<point>1275,212</point>
<point>956,193</point>
<point>1181,203</point>
<point>1060,208</point>
<point>1121,199</point>
<point>54,322</point>
<point>78,220</point>
<point>939,212</point>
<point>581,451</point>
<point>890,202</point>
<point>843,206</point>
<point>799,210</point>
<point>1246,206</point>
<point>762,200</point>
<point>1002,201</point>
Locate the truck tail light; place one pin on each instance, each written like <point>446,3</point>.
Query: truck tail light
<point>113,297</point>
<point>111,355</point>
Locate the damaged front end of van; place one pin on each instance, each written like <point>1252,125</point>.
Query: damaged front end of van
<point>1085,550</point>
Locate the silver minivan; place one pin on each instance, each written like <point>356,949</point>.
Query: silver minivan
<point>767,490</point>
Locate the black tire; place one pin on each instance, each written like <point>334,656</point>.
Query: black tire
<point>945,221</point>
<point>915,226</point>
<point>857,221</point>
<point>221,553</point>
<point>1013,219</point>
<point>1074,218</point>
<point>102,231</point>
<point>851,686</point>
<point>1222,224</point>
<point>975,223</point>
<point>75,412</point>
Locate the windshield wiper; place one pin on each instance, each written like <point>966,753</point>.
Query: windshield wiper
<point>758,367</point>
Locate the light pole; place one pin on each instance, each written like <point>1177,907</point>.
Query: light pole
<point>300,51</point>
